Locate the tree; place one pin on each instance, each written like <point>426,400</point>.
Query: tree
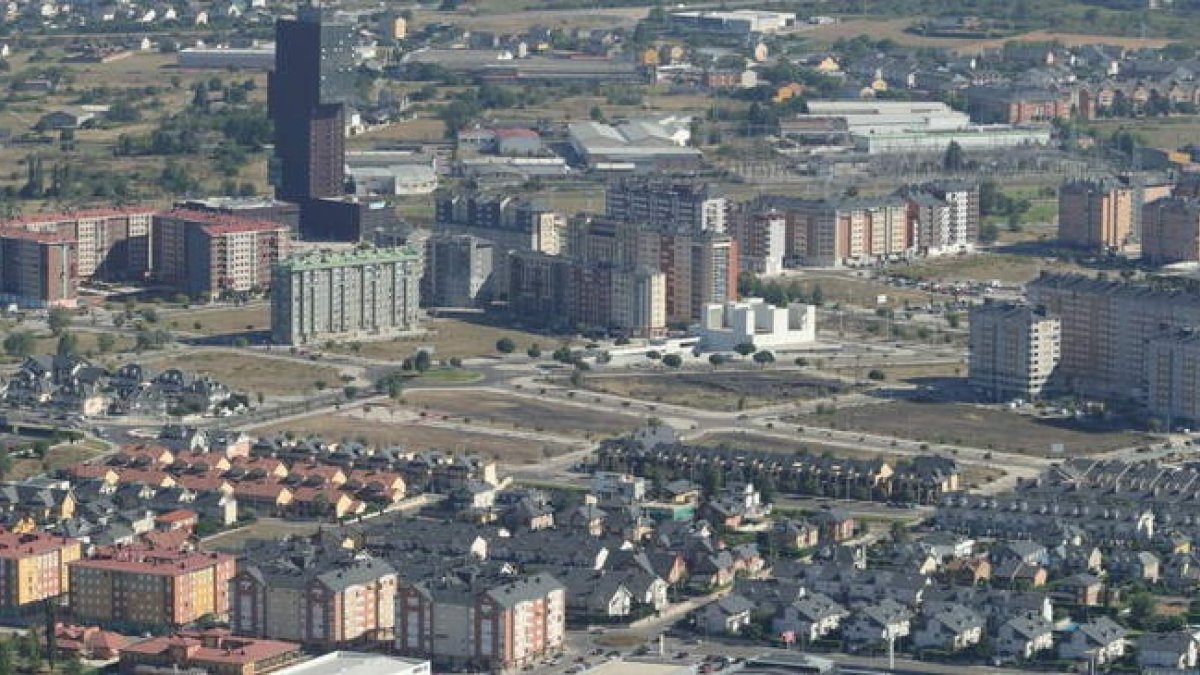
<point>672,361</point>
<point>764,357</point>
<point>745,348</point>
<point>1142,608</point>
<point>105,343</point>
<point>877,375</point>
<point>320,385</point>
<point>505,345</point>
<point>953,160</point>
<point>422,362</point>
<point>717,359</point>
<point>58,320</point>
<point>31,646</point>
<point>534,351</point>
<point>20,344</point>
<point>818,296</point>
<point>68,344</point>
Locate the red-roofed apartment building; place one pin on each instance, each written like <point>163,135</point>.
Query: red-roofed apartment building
<point>33,566</point>
<point>151,587</point>
<point>111,244</point>
<point>213,651</point>
<point>203,253</point>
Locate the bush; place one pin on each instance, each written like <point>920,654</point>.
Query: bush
<point>877,374</point>
<point>672,361</point>
<point>505,345</point>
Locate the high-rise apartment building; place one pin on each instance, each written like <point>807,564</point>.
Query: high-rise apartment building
<point>762,241</point>
<point>835,233</point>
<point>1014,350</point>
<point>666,205</point>
<point>110,244</point>
<point>1106,327</point>
<point>944,217</point>
<point>150,587</point>
<point>302,591</point>
<point>1097,215</point>
<point>485,624</point>
<point>458,271</point>
<point>507,221</point>
<point>1171,230</point>
<point>308,90</point>
<point>1173,377</point>
<point>206,253</point>
<point>37,269</point>
<point>365,293</point>
<point>33,567</point>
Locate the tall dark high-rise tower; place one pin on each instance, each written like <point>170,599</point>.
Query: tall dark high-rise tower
<point>308,91</point>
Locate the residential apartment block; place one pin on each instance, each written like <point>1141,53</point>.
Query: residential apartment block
<point>944,217</point>
<point>666,205</point>
<point>1097,215</point>
<point>150,587</point>
<point>1014,350</point>
<point>762,241</point>
<point>494,624</point>
<point>1171,230</point>
<point>110,244</point>
<point>1013,105</point>
<point>1106,327</point>
<point>844,232</point>
<point>507,221</point>
<point>1173,377</point>
<point>458,270</point>
<point>37,269</point>
<point>206,253</point>
<point>365,293</point>
<point>316,594</point>
<point>33,567</point>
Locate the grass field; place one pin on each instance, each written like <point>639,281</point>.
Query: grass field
<point>522,412</point>
<point>894,29</point>
<point>843,288</point>
<point>957,424</point>
<point>723,390</point>
<point>1006,268</point>
<point>57,457</point>
<point>224,321</point>
<point>450,338</point>
<point>255,374</point>
<point>416,436</point>
<point>1160,132</point>
<point>267,528</point>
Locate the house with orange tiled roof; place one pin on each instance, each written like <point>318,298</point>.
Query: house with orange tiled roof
<point>88,642</point>
<point>309,473</point>
<point>376,486</point>
<point>142,455</point>
<point>98,471</point>
<point>324,502</point>
<point>151,477</point>
<point>266,497</point>
<point>179,519</point>
<point>257,467</point>
<point>204,483</point>
<point>212,651</point>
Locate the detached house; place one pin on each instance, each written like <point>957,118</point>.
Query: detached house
<point>1100,641</point>
<point>951,627</point>
<point>1022,637</point>
<point>811,617</point>
<point>729,615</point>
<point>878,623</point>
<point>1175,651</point>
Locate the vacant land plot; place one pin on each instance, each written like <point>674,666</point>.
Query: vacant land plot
<point>451,338</point>
<point>959,424</point>
<point>860,291</point>
<point>418,435</point>
<point>267,528</point>
<point>255,374</point>
<point>1006,268</point>
<point>894,29</point>
<point>724,390</point>
<point>57,457</point>
<point>224,321</point>
<point>525,412</point>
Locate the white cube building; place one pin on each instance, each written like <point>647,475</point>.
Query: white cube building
<point>753,321</point>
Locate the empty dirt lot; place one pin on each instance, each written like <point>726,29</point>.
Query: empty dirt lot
<point>522,412</point>
<point>959,424</point>
<point>723,390</point>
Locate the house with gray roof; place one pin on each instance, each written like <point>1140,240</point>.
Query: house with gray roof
<point>1176,650</point>
<point>728,615</point>
<point>875,624</point>
<point>1100,641</point>
<point>951,627</point>
<point>1023,637</point>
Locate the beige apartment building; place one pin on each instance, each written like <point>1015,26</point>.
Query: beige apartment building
<point>1171,230</point>
<point>1106,327</point>
<point>1014,350</point>
<point>1173,378</point>
<point>1096,214</point>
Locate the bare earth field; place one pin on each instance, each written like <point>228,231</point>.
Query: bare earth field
<point>726,390</point>
<point>523,412</point>
<point>976,427</point>
<point>267,528</point>
<point>57,457</point>
<point>1012,269</point>
<point>255,374</point>
<point>417,435</point>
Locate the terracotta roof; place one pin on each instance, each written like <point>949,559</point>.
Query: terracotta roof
<point>215,646</point>
<point>15,545</point>
<point>177,516</point>
<point>145,560</point>
<point>222,223</point>
<point>40,237</point>
<point>72,216</point>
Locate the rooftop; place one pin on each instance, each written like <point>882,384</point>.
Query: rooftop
<point>17,545</point>
<point>214,646</point>
<point>221,223</point>
<point>363,256</point>
<point>152,561</point>
<point>357,663</point>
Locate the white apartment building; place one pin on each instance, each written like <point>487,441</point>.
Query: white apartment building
<point>762,242</point>
<point>1014,350</point>
<point>366,293</point>
<point>753,321</point>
